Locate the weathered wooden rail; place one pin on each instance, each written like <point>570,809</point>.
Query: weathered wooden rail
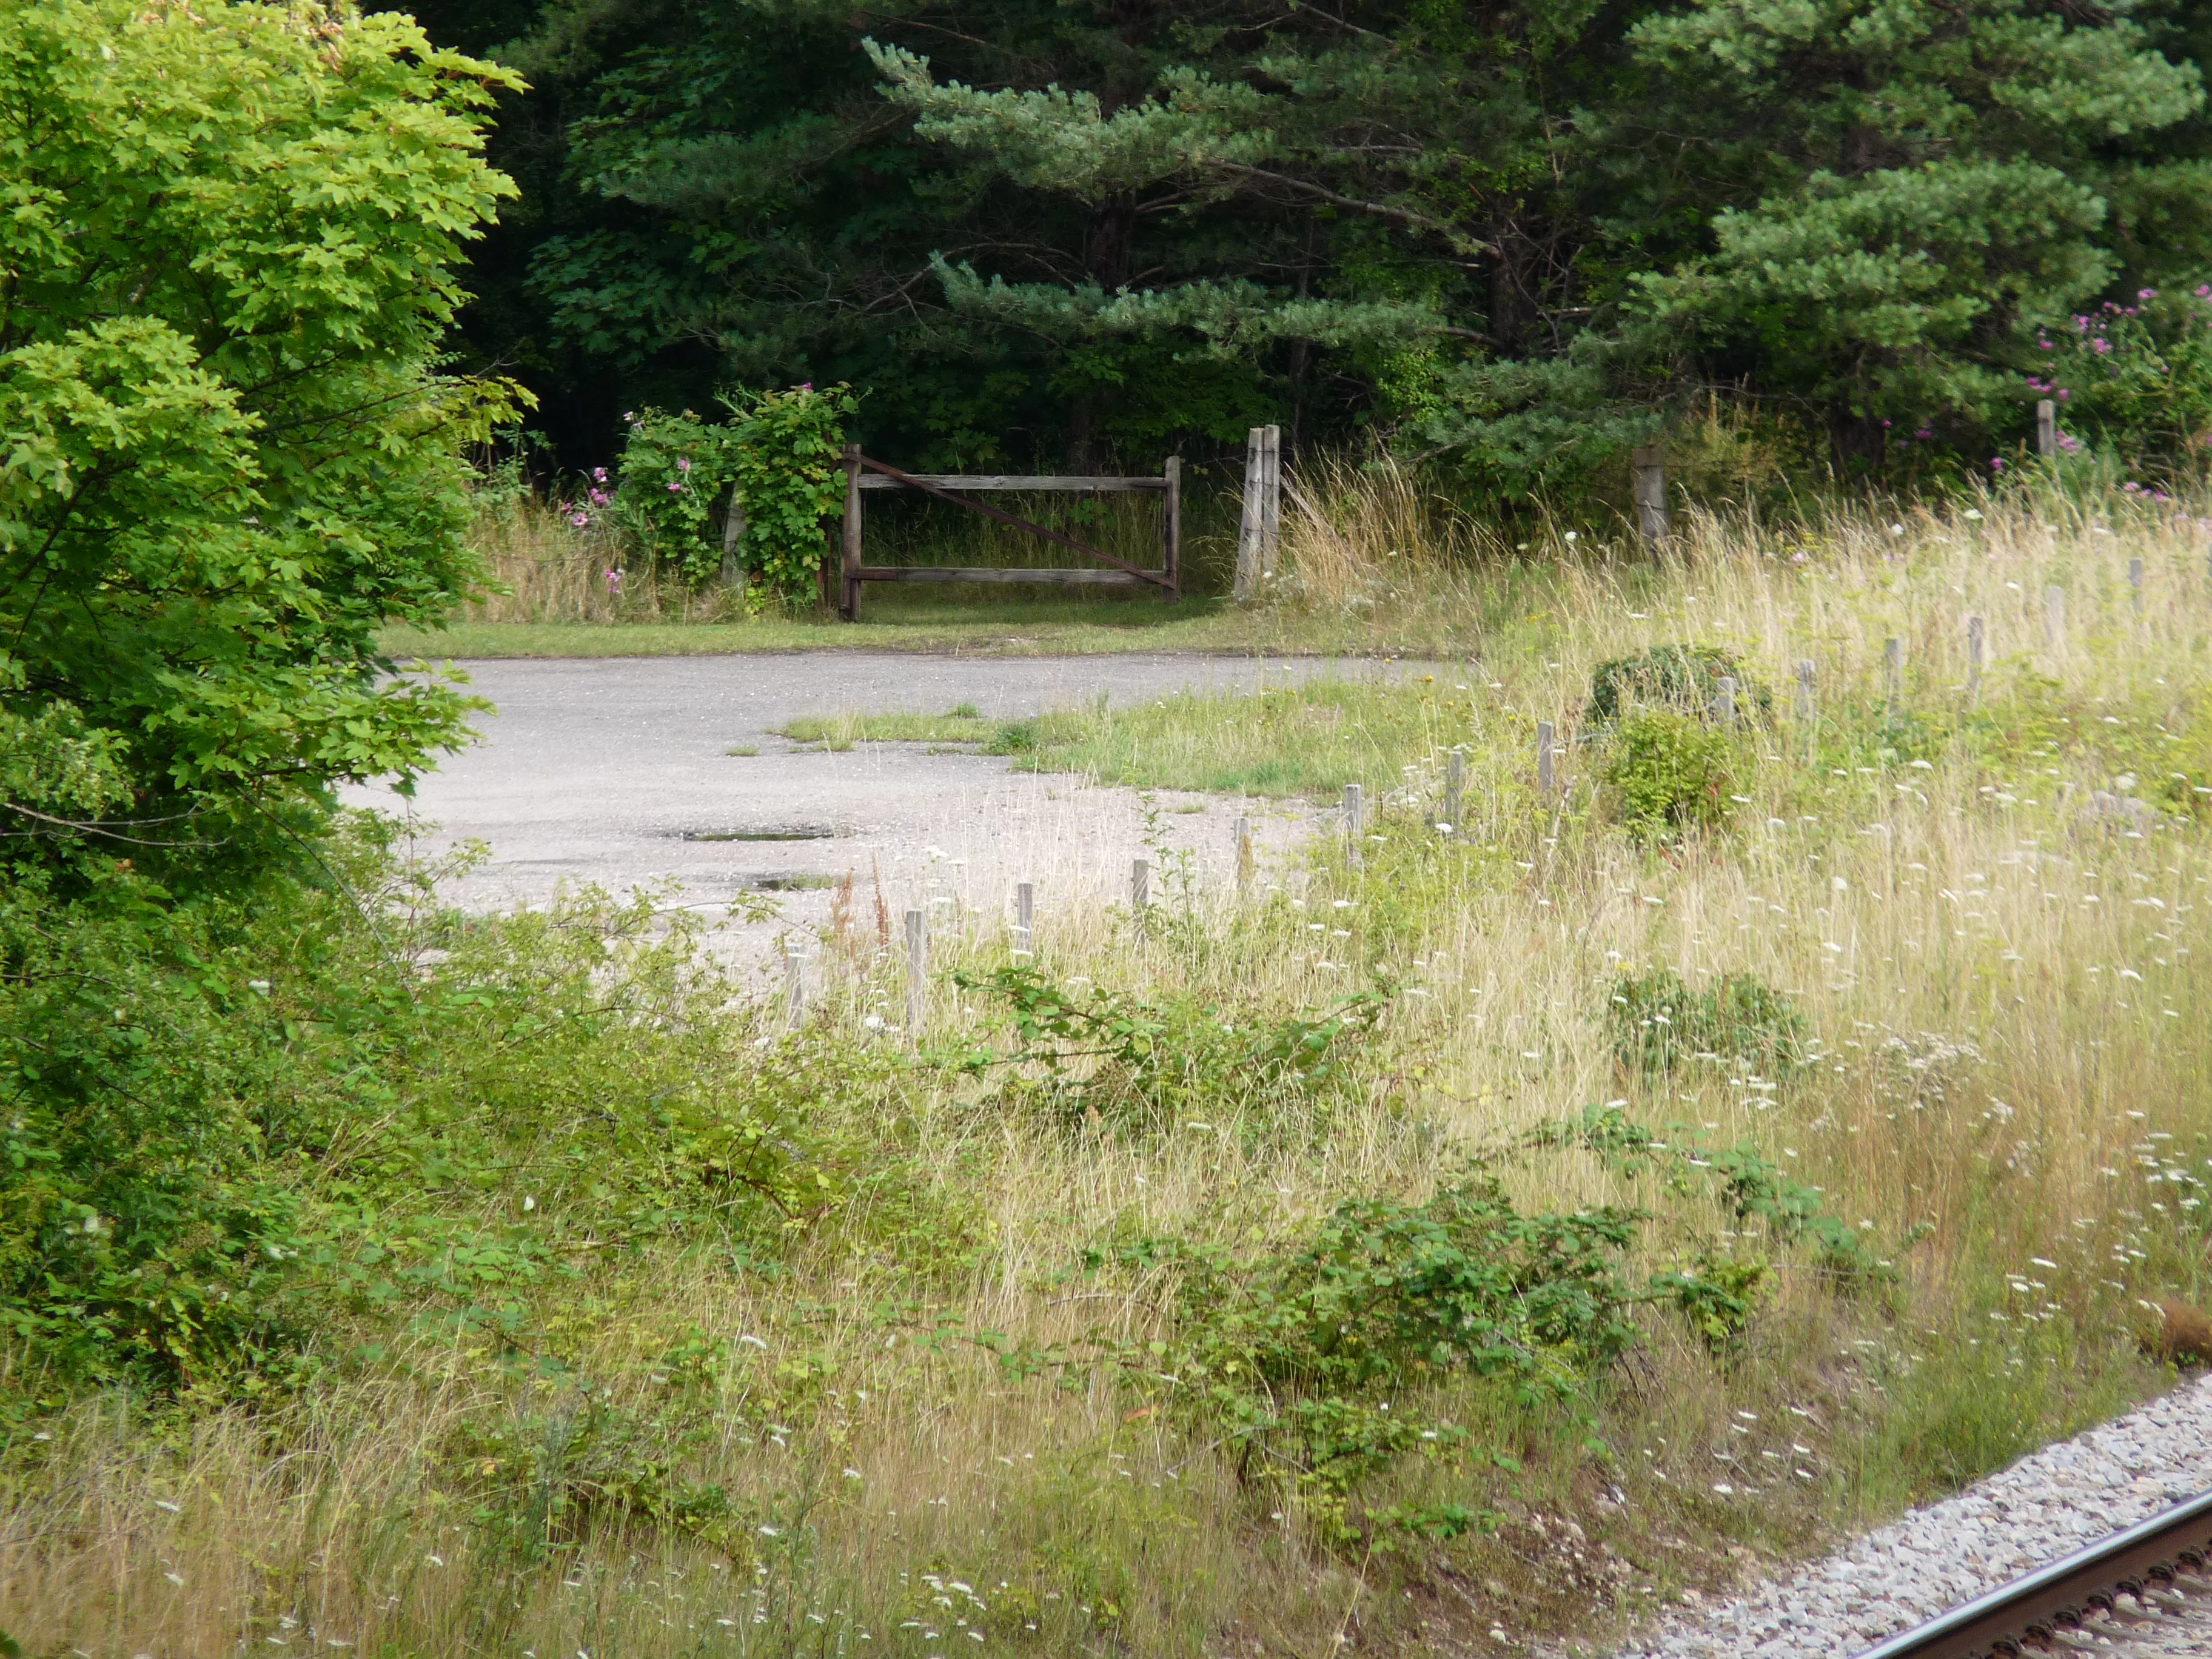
<point>863,473</point>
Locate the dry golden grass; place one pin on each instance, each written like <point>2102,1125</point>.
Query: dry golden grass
<point>2000,970</point>
<point>543,569</point>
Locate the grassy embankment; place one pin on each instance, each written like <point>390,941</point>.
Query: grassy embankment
<point>1505,1232</point>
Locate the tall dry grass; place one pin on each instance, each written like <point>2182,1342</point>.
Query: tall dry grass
<point>2010,1095</point>
<point>544,568</point>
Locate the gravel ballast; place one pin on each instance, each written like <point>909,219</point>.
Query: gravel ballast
<point>2044,1507</point>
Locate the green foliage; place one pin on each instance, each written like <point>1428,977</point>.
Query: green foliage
<point>1668,773</point>
<point>675,475</point>
<point>1327,1360</point>
<point>2135,381</point>
<point>1718,1296</point>
<point>1060,230</point>
<point>1684,679</point>
<point>1754,1192</point>
<point>228,271</point>
<point>576,1456</point>
<point>231,1120</point>
<point>790,478</point>
<point>1912,197</point>
<point>1140,1062</point>
<point>1311,1359</point>
<point>1657,1022</point>
<point>778,460</point>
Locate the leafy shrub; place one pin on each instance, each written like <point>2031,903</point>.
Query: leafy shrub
<point>1139,1062</point>
<point>2135,380</point>
<point>779,457</point>
<point>1718,1295</point>
<point>672,492</point>
<point>1305,1357</point>
<point>1657,1022</point>
<point>1669,772</point>
<point>790,476</point>
<point>230,463</point>
<point>239,1126</point>
<point>543,1472</point>
<point>1751,1186</point>
<point>1683,678</point>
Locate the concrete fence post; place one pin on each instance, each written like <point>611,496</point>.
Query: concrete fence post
<point>917,970</point>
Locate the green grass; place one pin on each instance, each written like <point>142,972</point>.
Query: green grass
<point>841,732</point>
<point>1045,628</point>
<point>1308,741</point>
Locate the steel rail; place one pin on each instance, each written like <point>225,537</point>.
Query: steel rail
<point>2061,1596</point>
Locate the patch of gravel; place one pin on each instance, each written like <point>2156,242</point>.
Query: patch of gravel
<point>2044,1507</point>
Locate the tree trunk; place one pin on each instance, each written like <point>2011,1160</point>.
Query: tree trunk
<point>1107,242</point>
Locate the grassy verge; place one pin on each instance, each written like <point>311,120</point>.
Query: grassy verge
<point>1068,628</point>
<point>1456,1237</point>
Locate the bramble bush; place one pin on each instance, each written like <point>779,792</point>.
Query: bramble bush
<point>1685,678</point>
<point>2135,383</point>
<point>238,1123</point>
<point>1328,1358</point>
<point>1138,1062</point>
<point>1657,1022</point>
<point>778,460</point>
<point>1669,772</point>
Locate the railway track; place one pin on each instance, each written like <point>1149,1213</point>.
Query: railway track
<point>2145,1593</point>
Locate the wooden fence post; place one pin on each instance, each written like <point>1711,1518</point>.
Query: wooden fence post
<point>1543,779</point>
<point>1355,825</point>
<point>2046,428</point>
<point>1140,891</point>
<point>1025,917</point>
<point>1807,710</point>
<point>1724,704</point>
<point>917,970</point>
<point>1172,527</point>
<point>2135,583</point>
<point>1892,676</point>
<point>1977,641</point>
<point>1455,787</point>
<point>1248,523</point>
<point>1650,465</point>
<point>794,985</point>
<point>850,604</point>
<point>1271,497</point>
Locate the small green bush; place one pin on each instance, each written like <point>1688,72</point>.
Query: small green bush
<point>1137,1062</point>
<point>778,454</point>
<point>2135,381</point>
<point>1685,678</point>
<point>1668,773</point>
<point>1719,1296</point>
<point>1657,1022</point>
<point>1309,1358</point>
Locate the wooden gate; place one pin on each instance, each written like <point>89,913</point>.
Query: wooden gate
<point>863,474</point>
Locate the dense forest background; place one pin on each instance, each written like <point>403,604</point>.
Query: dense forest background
<point>1503,238</point>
